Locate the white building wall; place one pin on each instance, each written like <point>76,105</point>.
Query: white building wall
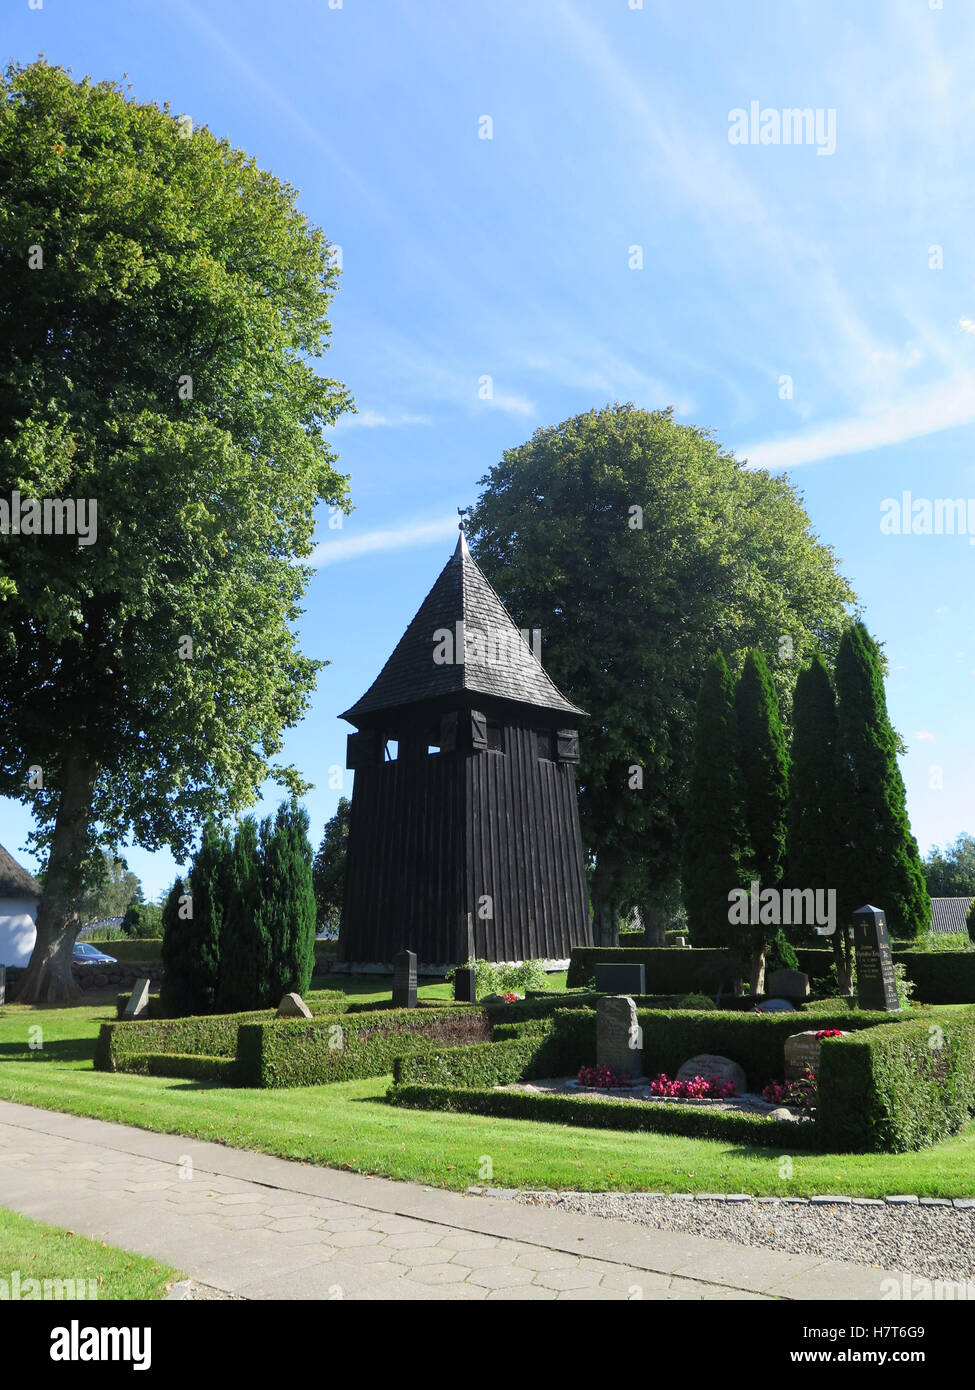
<point>17,931</point>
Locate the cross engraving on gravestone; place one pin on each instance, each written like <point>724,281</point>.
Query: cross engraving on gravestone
<point>876,986</point>
<point>619,1038</point>
<point>404,980</point>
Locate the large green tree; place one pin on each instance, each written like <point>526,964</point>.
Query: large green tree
<point>329,868</point>
<point>950,873</point>
<point>818,852</point>
<point>716,852</point>
<point>639,547</point>
<point>883,866</point>
<point>161,301</point>
<point>764,780</point>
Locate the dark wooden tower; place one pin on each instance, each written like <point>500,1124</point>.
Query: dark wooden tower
<point>464,800</point>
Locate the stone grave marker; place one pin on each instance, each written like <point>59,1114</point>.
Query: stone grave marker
<point>775,1006</point>
<point>629,978</point>
<point>465,985</point>
<point>293,1006</point>
<point>404,980</point>
<point>876,986</point>
<point>788,984</point>
<point>801,1051</point>
<point>138,1005</point>
<point>707,1064</point>
<point>619,1039</point>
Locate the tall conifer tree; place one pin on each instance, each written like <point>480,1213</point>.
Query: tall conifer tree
<point>715,849</point>
<point>883,866</point>
<point>245,957</point>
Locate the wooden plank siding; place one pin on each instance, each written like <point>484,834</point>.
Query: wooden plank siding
<point>432,835</point>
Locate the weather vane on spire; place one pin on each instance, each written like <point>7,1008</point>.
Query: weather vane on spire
<point>463,513</point>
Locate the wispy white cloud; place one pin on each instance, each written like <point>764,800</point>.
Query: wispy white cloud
<point>925,736</point>
<point>399,538</point>
<point>511,403</point>
<point>941,406</point>
<point>374,419</point>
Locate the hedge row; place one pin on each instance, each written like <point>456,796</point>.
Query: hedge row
<point>485,1064</point>
<point>727,1126</point>
<point>899,1087</point>
<point>191,1066</point>
<point>942,977</point>
<point>198,1036</point>
<point>303,1052</point>
<point>130,950</point>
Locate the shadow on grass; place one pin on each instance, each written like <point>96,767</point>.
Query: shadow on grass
<point>56,1050</point>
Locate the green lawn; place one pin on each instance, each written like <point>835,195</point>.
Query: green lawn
<point>348,1125</point>
<point>38,1251</point>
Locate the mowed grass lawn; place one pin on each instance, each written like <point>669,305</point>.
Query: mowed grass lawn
<point>349,1125</point>
<point>82,1268</point>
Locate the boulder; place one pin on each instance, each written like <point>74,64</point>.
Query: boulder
<point>790,984</point>
<point>293,1006</point>
<point>708,1065</point>
<point>782,1114</point>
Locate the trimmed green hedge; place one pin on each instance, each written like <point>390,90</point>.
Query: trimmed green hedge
<point>130,951</point>
<point>942,977</point>
<point>899,1087</point>
<point>121,1001</point>
<point>726,1126</point>
<point>191,1066</point>
<point>485,1064</point>
<point>302,1052</point>
<point>201,1036</point>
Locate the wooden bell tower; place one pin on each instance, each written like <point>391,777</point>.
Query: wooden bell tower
<point>464,801</point>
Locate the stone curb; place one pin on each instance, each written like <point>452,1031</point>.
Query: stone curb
<point>824,1200</point>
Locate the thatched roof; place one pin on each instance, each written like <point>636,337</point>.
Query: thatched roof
<point>15,881</point>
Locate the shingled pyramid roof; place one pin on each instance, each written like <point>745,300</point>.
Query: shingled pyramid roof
<point>16,882</point>
<point>461,594</point>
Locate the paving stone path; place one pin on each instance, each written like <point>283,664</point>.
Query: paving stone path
<point>251,1226</point>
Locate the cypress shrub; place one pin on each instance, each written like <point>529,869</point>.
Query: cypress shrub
<point>287,904</point>
<point>245,975</point>
<point>883,866</point>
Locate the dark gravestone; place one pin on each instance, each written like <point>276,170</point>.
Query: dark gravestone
<point>404,980</point>
<point>465,986</point>
<point>876,986</point>
<point>621,979</point>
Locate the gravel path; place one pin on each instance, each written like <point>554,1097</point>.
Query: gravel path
<point>932,1242</point>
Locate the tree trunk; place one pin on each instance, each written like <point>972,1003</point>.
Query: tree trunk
<point>653,921</point>
<point>48,979</point>
<point>605,907</point>
<point>756,977</point>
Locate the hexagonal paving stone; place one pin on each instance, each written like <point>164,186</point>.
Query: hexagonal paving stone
<point>483,1259</point>
<point>420,1255</point>
<point>564,1279</point>
<point>430,1235</point>
<point>469,1240</point>
<point>590,1295</point>
<point>438,1274</point>
<point>508,1276</point>
<point>240,1199</point>
<point>295,1223</point>
<point>626,1279</point>
<point>341,1239</point>
<point>523,1293</point>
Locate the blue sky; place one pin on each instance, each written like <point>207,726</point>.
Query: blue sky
<point>849,271</point>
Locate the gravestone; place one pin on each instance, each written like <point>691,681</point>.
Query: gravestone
<point>629,978</point>
<point>3,984</point>
<point>619,1040</point>
<point>789,984</point>
<point>293,1006</point>
<point>138,1005</point>
<point>876,986</point>
<point>404,980</point>
<point>801,1051</point>
<point>465,986</point>
<point>706,1064</point>
<point>775,1006</point>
